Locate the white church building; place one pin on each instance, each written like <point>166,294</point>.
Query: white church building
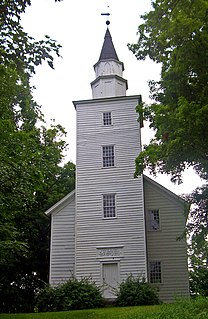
<point>113,225</point>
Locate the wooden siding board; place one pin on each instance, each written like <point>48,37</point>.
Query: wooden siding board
<point>163,245</point>
<point>62,244</point>
<point>128,229</point>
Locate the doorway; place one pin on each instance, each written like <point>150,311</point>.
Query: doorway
<point>110,279</point>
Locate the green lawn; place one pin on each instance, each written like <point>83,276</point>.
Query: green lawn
<point>196,309</point>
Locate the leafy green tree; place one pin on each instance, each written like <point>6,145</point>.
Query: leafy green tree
<point>32,174</point>
<point>175,34</point>
<point>198,250</point>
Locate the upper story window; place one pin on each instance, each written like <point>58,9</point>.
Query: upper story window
<point>155,272</point>
<point>108,156</point>
<point>107,118</point>
<point>109,205</point>
<point>154,220</point>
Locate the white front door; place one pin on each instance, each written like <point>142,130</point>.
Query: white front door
<point>110,279</point>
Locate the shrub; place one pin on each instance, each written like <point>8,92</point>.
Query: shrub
<point>46,299</point>
<point>71,295</point>
<point>134,291</point>
<point>199,282</point>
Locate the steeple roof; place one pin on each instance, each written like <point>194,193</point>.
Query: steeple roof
<point>109,79</point>
<point>108,51</point>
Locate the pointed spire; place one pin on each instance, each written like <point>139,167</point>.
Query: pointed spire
<point>109,79</point>
<point>108,51</point>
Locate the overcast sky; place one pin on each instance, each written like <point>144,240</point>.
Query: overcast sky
<point>79,27</point>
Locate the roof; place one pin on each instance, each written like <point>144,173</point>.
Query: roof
<point>106,99</point>
<point>108,51</point>
<point>166,191</point>
<point>61,203</point>
<point>68,198</point>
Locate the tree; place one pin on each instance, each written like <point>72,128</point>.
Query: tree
<point>198,250</point>
<point>175,34</point>
<point>32,174</point>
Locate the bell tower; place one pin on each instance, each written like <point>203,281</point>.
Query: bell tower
<point>109,223</point>
<point>109,80</point>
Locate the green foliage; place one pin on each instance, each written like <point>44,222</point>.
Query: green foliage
<point>181,309</point>
<point>198,248</point>
<point>198,224</point>
<point>199,281</point>
<point>134,291</point>
<point>175,34</point>
<point>32,174</point>
<point>72,295</point>
<point>19,50</point>
<point>32,179</point>
<point>186,308</point>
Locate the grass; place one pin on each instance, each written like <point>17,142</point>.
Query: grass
<point>182,309</point>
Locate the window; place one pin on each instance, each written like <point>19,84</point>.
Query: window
<point>109,206</point>
<point>154,220</point>
<point>108,156</point>
<point>107,119</point>
<point>155,272</point>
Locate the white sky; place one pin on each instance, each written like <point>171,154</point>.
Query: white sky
<point>79,27</point>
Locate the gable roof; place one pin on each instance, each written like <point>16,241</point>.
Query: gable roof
<point>108,51</point>
<point>61,203</point>
<point>166,191</point>
<point>69,197</point>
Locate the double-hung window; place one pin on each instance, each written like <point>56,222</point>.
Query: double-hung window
<point>155,272</point>
<point>154,220</point>
<point>109,205</point>
<point>107,118</point>
<point>108,156</point>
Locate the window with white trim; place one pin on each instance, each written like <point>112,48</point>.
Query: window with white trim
<point>107,118</point>
<point>155,272</point>
<point>154,220</point>
<point>108,156</point>
<point>109,205</point>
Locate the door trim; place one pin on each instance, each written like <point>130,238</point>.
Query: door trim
<point>116,262</point>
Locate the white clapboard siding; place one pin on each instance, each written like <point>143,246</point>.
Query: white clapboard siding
<point>62,252</point>
<point>128,229</point>
<point>164,245</point>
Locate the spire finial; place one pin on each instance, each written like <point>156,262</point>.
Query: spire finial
<point>106,14</point>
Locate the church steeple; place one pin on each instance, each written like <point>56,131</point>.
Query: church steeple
<point>108,51</point>
<point>108,71</point>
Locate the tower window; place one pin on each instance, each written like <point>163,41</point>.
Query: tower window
<point>107,118</point>
<point>155,272</point>
<point>109,206</point>
<point>108,156</point>
<point>154,220</point>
